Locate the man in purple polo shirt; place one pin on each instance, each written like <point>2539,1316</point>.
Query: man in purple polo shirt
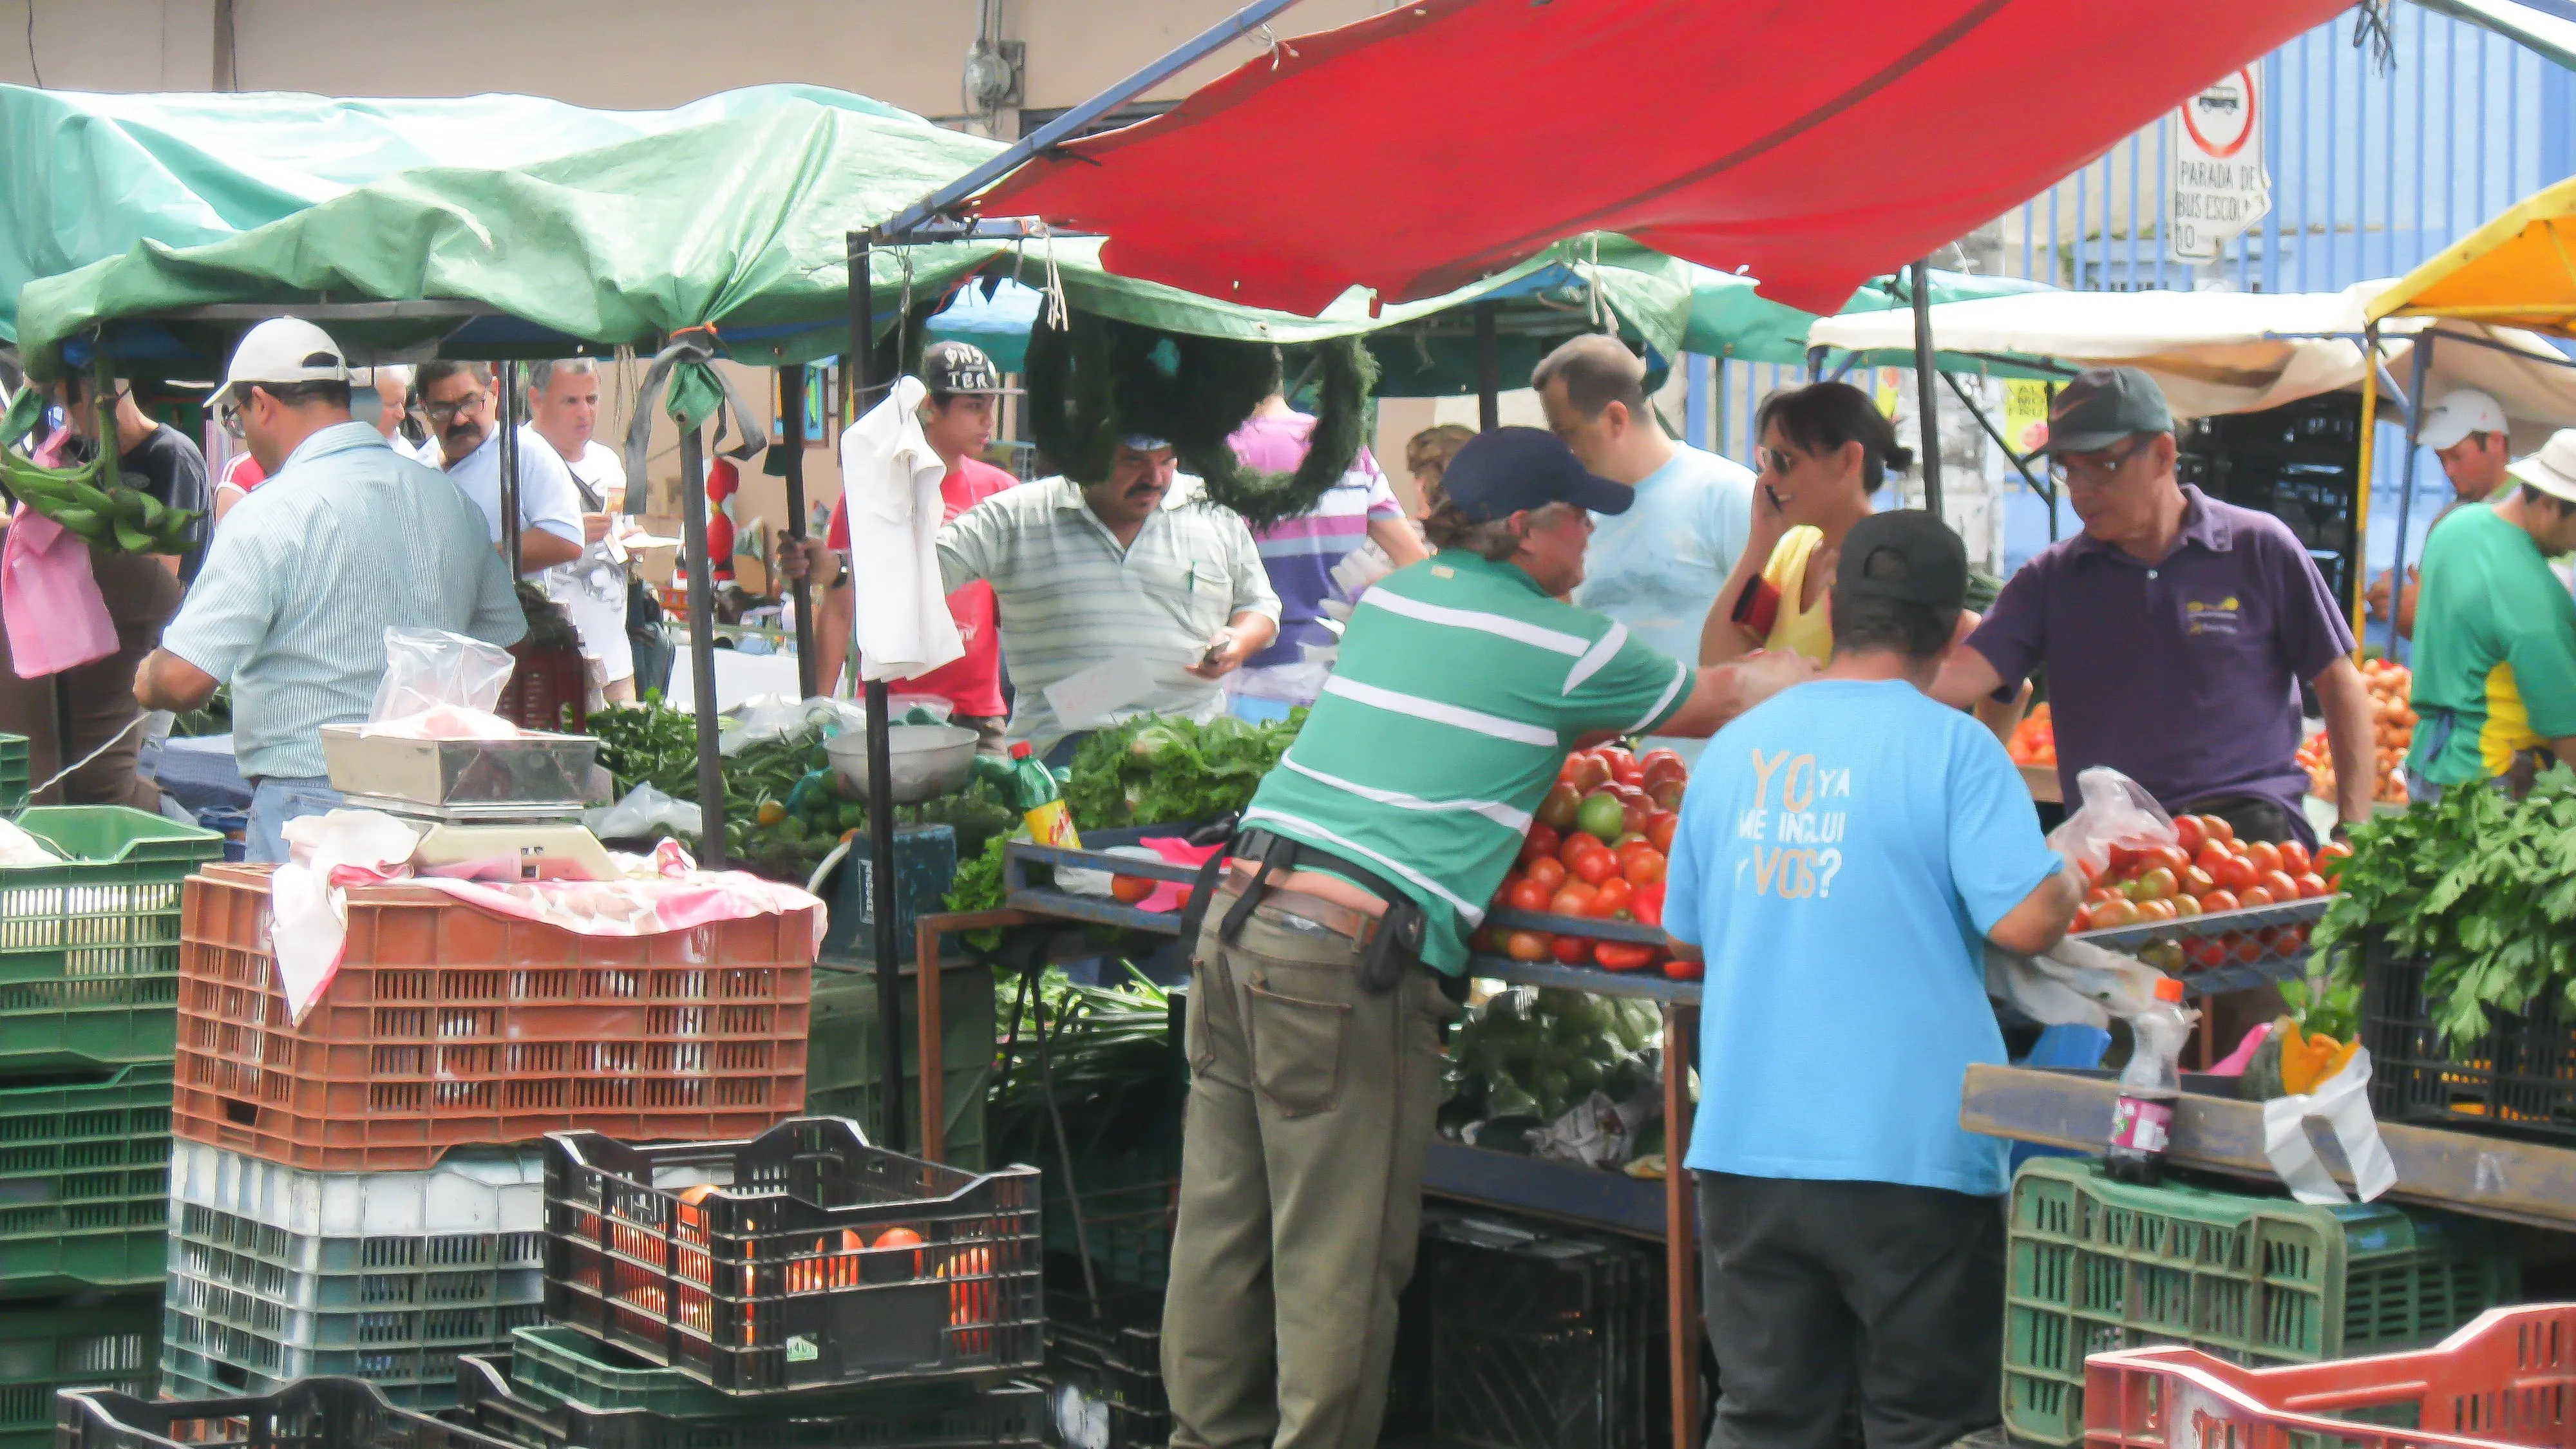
<point>2175,630</point>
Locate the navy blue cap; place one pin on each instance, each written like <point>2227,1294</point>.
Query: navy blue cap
<point>1506,470</point>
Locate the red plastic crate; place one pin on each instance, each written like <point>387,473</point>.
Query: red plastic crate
<point>450,1025</point>
<point>548,690</point>
<point>2507,1379</point>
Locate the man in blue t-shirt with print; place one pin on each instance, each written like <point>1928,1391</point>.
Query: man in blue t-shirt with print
<point>1842,849</point>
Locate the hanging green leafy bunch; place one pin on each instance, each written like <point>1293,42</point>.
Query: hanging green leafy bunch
<point>1099,379</point>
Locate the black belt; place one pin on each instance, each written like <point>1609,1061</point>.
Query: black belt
<point>1396,944</point>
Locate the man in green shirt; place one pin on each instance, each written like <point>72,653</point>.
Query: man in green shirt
<point>1314,1027</point>
<point>2495,638</point>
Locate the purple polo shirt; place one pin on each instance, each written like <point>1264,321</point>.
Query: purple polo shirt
<point>2182,674</point>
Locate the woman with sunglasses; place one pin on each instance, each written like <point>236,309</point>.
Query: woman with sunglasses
<point>1825,448</point>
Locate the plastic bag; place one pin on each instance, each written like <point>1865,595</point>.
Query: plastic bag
<point>644,810</point>
<point>17,847</point>
<point>2076,984</point>
<point>439,685</point>
<point>2342,1102</point>
<point>776,716</point>
<point>2116,811</point>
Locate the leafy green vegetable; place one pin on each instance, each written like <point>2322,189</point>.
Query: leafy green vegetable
<point>978,887</point>
<point>1161,771</point>
<point>2480,888</point>
<point>653,744</point>
<point>1109,1057</point>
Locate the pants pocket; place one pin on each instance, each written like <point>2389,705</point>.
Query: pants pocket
<point>1209,989</point>
<point>1297,1049</point>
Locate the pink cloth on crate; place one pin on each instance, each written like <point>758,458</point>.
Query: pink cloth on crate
<point>1170,895</point>
<point>49,599</point>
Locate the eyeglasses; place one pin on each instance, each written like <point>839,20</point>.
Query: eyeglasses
<point>229,414</point>
<point>444,413</point>
<point>1775,460</point>
<point>2093,468</point>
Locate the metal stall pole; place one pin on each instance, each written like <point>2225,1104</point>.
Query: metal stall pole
<point>881,882</point>
<point>2361,513</point>
<point>1927,397</point>
<point>505,379</point>
<point>2405,491</point>
<point>1489,371</point>
<point>702,644</point>
<point>791,429</point>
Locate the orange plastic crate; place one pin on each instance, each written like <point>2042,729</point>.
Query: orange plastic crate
<point>449,1025</point>
<point>2507,1379</point>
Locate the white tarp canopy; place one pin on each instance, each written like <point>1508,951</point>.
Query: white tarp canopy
<point>2228,352</point>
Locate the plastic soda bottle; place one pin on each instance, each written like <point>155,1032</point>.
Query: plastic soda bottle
<point>1039,802</point>
<point>2142,1122</point>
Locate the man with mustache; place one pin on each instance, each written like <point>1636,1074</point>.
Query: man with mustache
<point>1136,567</point>
<point>459,401</point>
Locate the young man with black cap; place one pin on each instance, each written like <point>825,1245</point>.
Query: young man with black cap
<point>1841,852</point>
<point>1331,952</point>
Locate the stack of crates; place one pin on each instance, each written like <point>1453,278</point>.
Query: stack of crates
<point>361,1192</point>
<point>1539,1337</point>
<point>797,1290</point>
<point>89,968</point>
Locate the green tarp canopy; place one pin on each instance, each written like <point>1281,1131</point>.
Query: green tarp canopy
<point>91,176</point>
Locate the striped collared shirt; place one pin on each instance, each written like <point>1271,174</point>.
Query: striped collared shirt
<point>1459,688</point>
<point>306,574</point>
<point>1067,597</point>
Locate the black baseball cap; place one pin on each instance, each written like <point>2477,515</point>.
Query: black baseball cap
<point>959,367</point>
<point>1502,471</point>
<point>1907,555</point>
<point>2104,405</point>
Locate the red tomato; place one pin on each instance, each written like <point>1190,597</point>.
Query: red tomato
<point>1617,758</point>
<point>1574,898</point>
<point>1621,956</point>
<point>2185,905</point>
<point>2173,858</point>
<point>2117,911</point>
<point>1529,945</point>
<point>1596,865</point>
<point>2191,880</point>
<point>2154,885</point>
<point>1646,903</point>
<point>2217,829</point>
<point>1660,829</point>
<point>1127,890</point>
<point>1667,794</point>
<point>1557,811</point>
<point>2189,834</point>
<point>2235,873</point>
<point>2214,901</point>
<point>2213,855</point>
<point>2313,885</point>
<point>1543,841</point>
<point>1643,867</point>
<point>2253,896</point>
<point>1529,895</point>
<point>2265,855</point>
<point>1662,756</point>
<point>2295,860</point>
<point>2279,885</point>
<point>1577,844</point>
<point>2083,919</point>
<point>2251,949</point>
<point>1503,892</point>
<point>2334,850</point>
<point>1681,970</point>
<point>1612,898</point>
<point>2294,937</point>
<point>1573,951</point>
<point>2124,863</point>
<point>1586,772</point>
<point>1548,871</point>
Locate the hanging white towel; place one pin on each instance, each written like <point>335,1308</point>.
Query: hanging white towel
<point>890,482</point>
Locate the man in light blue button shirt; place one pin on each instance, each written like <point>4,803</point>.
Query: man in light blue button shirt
<point>347,539</point>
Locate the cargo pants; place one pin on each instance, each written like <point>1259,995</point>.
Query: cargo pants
<point>1310,1115</point>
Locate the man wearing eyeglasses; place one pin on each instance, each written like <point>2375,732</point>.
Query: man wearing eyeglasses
<point>348,538</point>
<point>458,400</point>
<point>2175,630</point>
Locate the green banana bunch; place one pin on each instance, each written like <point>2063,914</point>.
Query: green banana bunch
<point>114,517</point>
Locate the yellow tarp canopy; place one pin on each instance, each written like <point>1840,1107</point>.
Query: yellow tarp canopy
<point>2518,270</point>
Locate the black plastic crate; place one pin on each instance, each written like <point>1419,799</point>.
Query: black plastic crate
<point>488,1398</point>
<point>1543,1339</point>
<point>756,1266</point>
<point>2519,1078</point>
<point>1105,1378</point>
<point>324,1413</point>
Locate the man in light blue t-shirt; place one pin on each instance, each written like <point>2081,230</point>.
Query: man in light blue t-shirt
<point>1843,849</point>
<point>1657,567</point>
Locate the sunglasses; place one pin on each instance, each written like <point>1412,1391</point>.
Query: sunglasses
<point>1775,460</point>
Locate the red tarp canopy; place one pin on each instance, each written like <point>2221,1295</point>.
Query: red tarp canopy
<point>1817,143</point>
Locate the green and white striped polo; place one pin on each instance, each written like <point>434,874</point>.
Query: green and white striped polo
<point>1459,688</point>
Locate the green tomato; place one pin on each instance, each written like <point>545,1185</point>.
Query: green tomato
<point>1601,814</point>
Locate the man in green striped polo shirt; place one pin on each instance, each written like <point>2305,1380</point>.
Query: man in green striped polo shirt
<point>1315,1070</point>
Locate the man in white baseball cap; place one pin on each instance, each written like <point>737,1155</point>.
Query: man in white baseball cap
<point>2495,662</point>
<point>2467,431</point>
<point>347,538</point>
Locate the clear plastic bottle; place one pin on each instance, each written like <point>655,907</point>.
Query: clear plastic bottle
<point>2142,1123</point>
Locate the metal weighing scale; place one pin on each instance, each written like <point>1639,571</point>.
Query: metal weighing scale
<point>478,800</point>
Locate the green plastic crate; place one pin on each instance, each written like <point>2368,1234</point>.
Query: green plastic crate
<point>2095,1265</point>
<point>844,1057</point>
<point>89,948</point>
<point>84,1181</point>
<point>15,774</point>
<point>552,1365</point>
<point>82,1343</point>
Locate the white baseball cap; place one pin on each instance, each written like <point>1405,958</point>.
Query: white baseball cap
<point>281,350</point>
<point>2455,415</point>
<point>2552,470</point>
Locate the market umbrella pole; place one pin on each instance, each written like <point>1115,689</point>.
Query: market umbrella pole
<point>702,645</point>
<point>791,432</point>
<point>881,883</point>
<point>1489,371</point>
<point>2405,491</point>
<point>505,379</point>
<point>2368,461</point>
<point>1926,399</point>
